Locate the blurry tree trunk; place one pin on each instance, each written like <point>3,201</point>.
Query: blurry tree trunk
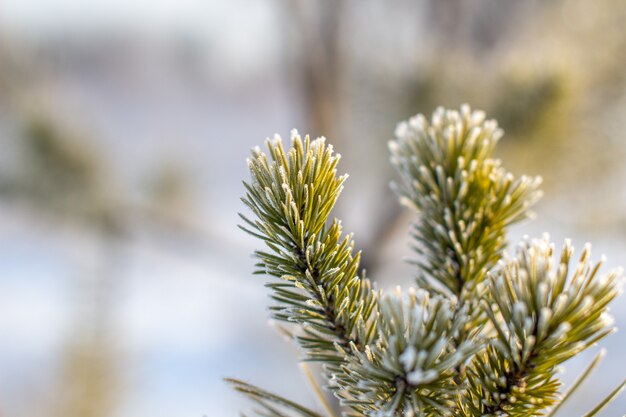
<point>90,381</point>
<point>475,27</point>
<point>446,22</point>
<point>317,64</point>
<point>316,27</point>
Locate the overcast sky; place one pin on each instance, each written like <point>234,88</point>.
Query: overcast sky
<point>241,36</point>
<point>196,16</point>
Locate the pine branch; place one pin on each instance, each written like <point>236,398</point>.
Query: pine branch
<point>465,201</point>
<point>291,196</point>
<point>410,370</point>
<point>542,316</point>
<point>464,198</point>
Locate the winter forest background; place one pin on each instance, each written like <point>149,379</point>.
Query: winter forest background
<point>125,285</point>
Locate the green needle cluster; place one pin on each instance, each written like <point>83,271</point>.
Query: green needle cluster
<point>412,365</point>
<point>318,287</point>
<point>544,311</point>
<point>463,196</point>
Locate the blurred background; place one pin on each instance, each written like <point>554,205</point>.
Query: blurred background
<point>125,285</point>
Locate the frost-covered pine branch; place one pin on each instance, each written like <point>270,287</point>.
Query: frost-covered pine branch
<point>463,196</point>
<point>411,367</point>
<point>464,200</point>
<point>291,195</point>
<point>544,311</point>
<point>483,333</point>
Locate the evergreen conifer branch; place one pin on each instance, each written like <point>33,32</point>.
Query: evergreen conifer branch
<point>410,370</point>
<point>292,194</point>
<point>464,198</point>
<point>543,315</point>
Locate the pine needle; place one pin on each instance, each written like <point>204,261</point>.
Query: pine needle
<point>606,401</point>
<point>306,369</point>
<point>578,382</point>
